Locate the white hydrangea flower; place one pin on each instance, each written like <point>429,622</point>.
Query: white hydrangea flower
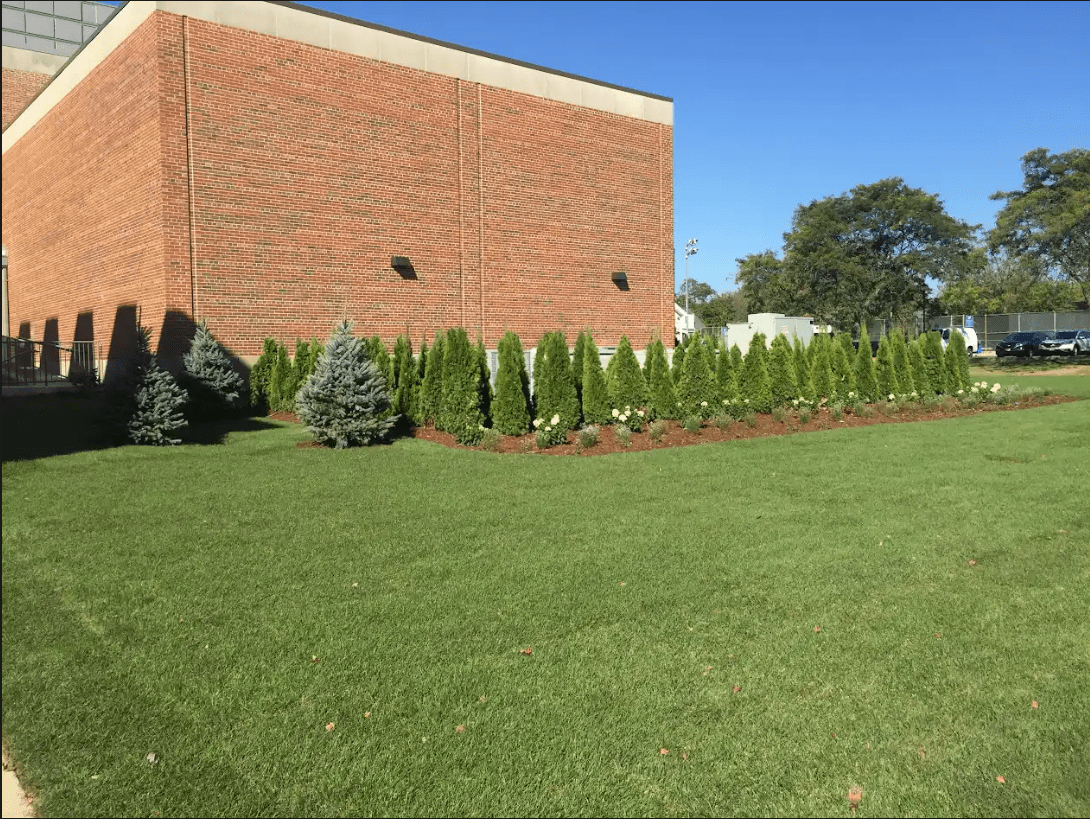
<point>616,412</point>
<point>995,388</point>
<point>537,423</point>
<point>703,403</point>
<point>556,420</point>
<point>639,413</point>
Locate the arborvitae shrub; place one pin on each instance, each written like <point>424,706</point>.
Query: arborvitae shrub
<point>679,360</point>
<point>934,362</point>
<point>901,367</point>
<point>376,351</point>
<point>595,394</point>
<point>781,372</point>
<point>214,387</point>
<point>802,372</point>
<point>408,381</point>
<point>460,413</point>
<point>726,379</point>
<point>554,386</point>
<point>755,387</point>
<point>842,360</point>
<point>825,386</point>
<point>279,379</point>
<point>698,390</point>
<point>145,404</point>
<point>260,375</point>
<point>577,357</point>
<point>662,396</point>
<point>346,401</point>
<point>432,389</point>
<point>626,387</point>
<point>417,402</point>
<point>957,363</point>
<point>484,382</point>
<point>921,382</point>
<point>885,372</point>
<point>511,407</point>
<point>866,378</point>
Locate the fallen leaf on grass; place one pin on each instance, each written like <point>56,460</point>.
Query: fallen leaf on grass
<point>314,658</point>
<point>664,751</point>
<point>854,797</point>
<point>329,726</point>
<point>938,634</point>
<point>461,729</point>
<point>685,755</point>
<point>972,562</point>
<point>868,744</point>
<point>736,689</point>
<point>622,582</point>
<point>482,698</point>
<point>367,715</point>
<point>152,758</point>
<point>922,753</point>
<point>527,651</point>
<point>1000,779</point>
<point>817,629</point>
<point>1034,704</point>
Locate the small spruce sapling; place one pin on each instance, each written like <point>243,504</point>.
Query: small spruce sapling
<point>214,387</point>
<point>346,401</point>
<point>146,402</point>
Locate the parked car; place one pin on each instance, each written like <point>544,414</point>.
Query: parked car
<point>1021,344</point>
<point>1066,342</point>
<point>967,333</point>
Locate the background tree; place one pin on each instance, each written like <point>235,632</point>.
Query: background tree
<point>865,253</point>
<point>1049,218</point>
<point>1006,284</point>
<point>214,387</point>
<point>346,402</point>
<point>712,308</point>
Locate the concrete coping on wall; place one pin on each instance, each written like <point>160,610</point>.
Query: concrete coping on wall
<point>302,24</point>
<point>34,62</point>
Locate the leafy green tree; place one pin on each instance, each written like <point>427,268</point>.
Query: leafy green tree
<point>662,396</point>
<point>921,383</point>
<point>214,387</point>
<point>553,384</point>
<point>781,371</point>
<point>863,253</point>
<point>1049,218</point>
<point>431,402</point>
<point>1008,284</point>
<point>595,393</point>
<point>866,378</point>
<point>755,386</point>
<point>346,401</point>
<point>460,411</point>
<point>511,407</point>
<point>885,370</point>
<point>625,386</point>
<point>714,309</point>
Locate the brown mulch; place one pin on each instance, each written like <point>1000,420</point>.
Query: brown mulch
<point>676,435</point>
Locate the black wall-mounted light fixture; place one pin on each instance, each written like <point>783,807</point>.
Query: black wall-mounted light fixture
<point>620,278</point>
<point>404,266</point>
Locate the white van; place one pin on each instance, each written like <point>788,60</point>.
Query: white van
<point>967,333</point>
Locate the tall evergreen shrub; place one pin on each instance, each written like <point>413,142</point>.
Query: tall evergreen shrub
<point>921,382</point>
<point>679,360</point>
<point>554,386</point>
<point>825,382</point>
<point>596,404</point>
<point>866,377</point>
<point>726,379</point>
<point>460,413</point>
<point>802,372</point>
<point>625,386</point>
<point>511,406</point>
<point>215,389</point>
<point>698,390</point>
<point>405,400</point>
<point>260,375</point>
<point>577,362</point>
<point>957,362</point>
<point>431,402</point>
<point>280,380</point>
<point>484,382</point>
<point>755,386</point>
<point>842,360</point>
<point>901,367</point>
<point>346,401</point>
<point>781,371</point>
<point>145,403</point>
<point>885,371</point>
<point>934,362</point>
<point>662,397</point>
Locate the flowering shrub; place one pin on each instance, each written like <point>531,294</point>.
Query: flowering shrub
<point>551,434</point>
<point>633,419</point>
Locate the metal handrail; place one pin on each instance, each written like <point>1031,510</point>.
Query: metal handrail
<point>30,362</point>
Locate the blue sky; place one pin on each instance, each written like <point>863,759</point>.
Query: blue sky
<point>779,104</point>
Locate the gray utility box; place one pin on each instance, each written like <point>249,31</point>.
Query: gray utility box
<point>772,325</point>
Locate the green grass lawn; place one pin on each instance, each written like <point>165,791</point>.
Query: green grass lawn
<point>220,606</point>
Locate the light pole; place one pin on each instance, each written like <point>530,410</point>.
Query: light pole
<point>690,250</point>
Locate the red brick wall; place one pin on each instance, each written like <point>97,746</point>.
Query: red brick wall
<point>310,168</point>
<point>87,193</point>
<point>20,87</point>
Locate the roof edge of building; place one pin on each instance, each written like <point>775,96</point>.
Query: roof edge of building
<point>303,24</point>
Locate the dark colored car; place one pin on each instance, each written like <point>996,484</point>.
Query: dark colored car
<point>1021,344</point>
<point>1066,342</point>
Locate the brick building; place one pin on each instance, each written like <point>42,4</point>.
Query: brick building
<point>260,166</point>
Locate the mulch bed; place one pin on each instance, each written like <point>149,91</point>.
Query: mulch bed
<point>676,435</point>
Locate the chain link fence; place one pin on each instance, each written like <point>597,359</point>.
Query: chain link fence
<point>993,328</point>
